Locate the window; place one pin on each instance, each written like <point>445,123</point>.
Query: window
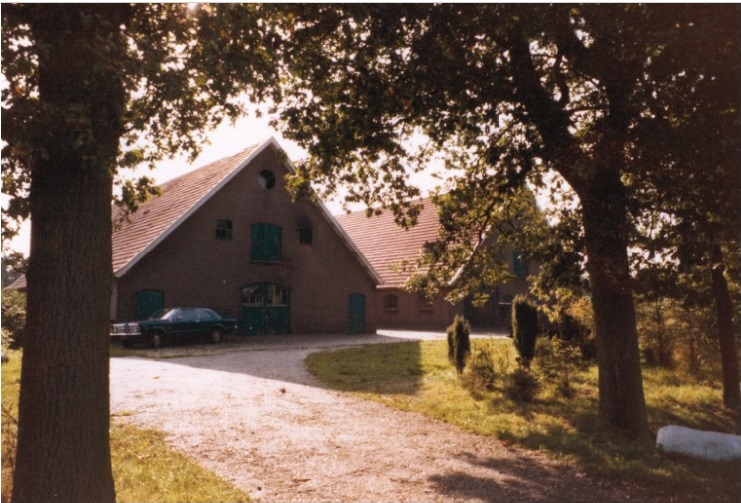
<point>277,295</point>
<point>252,296</point>
<point>305,234</point>
<point>391,302</point>
<point>266,243</point>
<point>266,179</point>
<point>520,267</point>
<point>224,229</point>
<point>423,303</point>
<point>207,315</point>
<point>187,315</point>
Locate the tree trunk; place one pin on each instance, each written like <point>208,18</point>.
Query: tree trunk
<point>63,431</point>
<point>621,400</point>
<point>726,334</point>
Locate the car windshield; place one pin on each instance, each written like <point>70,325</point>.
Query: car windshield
<point>164,314</point>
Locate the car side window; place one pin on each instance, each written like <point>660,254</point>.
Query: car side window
<point>206,315</point>
<point>188,315</point>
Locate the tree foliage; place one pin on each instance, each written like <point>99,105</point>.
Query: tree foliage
<point>508,96</point>
<point>182,70</point>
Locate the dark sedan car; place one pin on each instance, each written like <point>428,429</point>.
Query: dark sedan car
<point>175,324</point>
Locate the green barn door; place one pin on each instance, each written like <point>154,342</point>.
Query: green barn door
<point>356,308</point>
<point>148,302</point>
<point>264,309</point>
<point>276,309</point>
<point>251,315</point>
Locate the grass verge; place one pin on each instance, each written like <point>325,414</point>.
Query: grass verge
<point>416,376</point>
<point>145,467</point>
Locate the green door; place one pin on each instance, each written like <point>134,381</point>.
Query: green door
<point>276,309</point>
<point>264,309</point>
<point>148,302</point>
<point>356,311</point>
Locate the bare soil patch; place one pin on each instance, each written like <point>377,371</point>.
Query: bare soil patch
<point>251,413</point>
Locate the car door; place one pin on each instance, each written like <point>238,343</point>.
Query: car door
<point>186,323</point>
<point>207,320</point>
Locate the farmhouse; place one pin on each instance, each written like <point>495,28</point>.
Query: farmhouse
<point>228,236</point>
<point>386,246</point>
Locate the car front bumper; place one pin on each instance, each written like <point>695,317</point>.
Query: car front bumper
<point>126,333</point>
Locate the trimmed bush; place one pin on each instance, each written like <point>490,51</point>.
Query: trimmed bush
<point>524,327</point>
<point>459,343</point>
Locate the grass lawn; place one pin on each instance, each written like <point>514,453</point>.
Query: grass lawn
<point>416,376</point>
<point>145,468</point>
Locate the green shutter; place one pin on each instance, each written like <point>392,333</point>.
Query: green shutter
<point>266,243</point>
<point>272,243</point>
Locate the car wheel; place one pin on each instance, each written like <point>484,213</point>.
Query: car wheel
<point>215,335</point>
<point>156,340</point>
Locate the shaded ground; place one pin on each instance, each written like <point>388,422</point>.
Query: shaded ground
<point>251,412</point>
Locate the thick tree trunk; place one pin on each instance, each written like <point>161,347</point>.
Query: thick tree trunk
<point>63,431</point>
<point>63,435</point>
<point>621,400</point>
<point>726,334</point>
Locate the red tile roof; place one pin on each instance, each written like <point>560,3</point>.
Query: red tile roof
<point>142,230</point>
<point>386,244</point>
<point>179,198</point>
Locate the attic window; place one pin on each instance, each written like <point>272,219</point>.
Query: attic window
<point>266,179</point>
<point>224,229</point>
<point>305,234</point>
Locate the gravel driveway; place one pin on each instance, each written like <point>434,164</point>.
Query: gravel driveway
<point>250,412</point>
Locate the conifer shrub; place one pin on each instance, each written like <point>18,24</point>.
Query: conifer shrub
<point>524,328</point>
<point>459,343</point>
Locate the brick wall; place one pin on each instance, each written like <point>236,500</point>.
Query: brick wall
<point>194,268</point>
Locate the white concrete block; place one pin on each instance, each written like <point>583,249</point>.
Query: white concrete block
<point>708,445</point>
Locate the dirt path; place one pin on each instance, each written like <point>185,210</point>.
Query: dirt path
<point>256,417</point>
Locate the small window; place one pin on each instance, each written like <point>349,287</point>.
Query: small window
<point>424,304</point>
<point>224,229</point>
<point>266,243</point>
<point>391,302</point>
<point>306,234</point>
<point>520,267</point>
<point>252,296</point>
<point>277,295</point>
<point>266,179</point>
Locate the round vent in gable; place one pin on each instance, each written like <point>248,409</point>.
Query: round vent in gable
<point>266,179</point>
